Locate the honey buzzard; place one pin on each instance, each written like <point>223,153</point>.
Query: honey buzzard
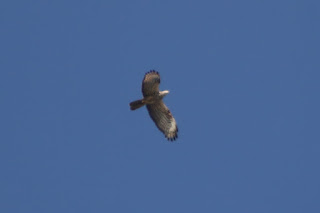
<point>158,111</point>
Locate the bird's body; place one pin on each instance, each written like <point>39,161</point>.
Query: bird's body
<point>158,111</point>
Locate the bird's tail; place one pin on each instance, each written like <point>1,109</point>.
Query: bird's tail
<point>136,104</point>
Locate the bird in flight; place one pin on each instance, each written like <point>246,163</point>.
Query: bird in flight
<point>158,111</point>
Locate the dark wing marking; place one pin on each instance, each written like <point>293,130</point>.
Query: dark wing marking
<point>150,83</point>
<point>163,119</point>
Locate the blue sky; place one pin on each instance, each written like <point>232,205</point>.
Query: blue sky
<point>244,88</point>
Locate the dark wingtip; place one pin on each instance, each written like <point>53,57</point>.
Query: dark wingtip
<point>155,72</point>
<point>152,71</point>
<point>173,138</point>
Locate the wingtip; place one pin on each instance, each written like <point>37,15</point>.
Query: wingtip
<point>152,71</point>
<point>172,138</point>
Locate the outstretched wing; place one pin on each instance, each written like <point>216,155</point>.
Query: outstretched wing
<point>150,83</point>
<point>164,120</point>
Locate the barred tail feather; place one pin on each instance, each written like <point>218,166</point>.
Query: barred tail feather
<point>136,104</point>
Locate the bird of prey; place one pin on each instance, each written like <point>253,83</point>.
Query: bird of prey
<point>158,111</point>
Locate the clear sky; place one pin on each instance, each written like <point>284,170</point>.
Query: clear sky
<point>244,88</point>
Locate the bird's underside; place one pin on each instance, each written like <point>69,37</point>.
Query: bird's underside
<point>158,111</point>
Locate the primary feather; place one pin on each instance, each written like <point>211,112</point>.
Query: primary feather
<point>150,83</point>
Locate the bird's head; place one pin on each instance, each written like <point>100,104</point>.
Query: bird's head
<point>163,93</point>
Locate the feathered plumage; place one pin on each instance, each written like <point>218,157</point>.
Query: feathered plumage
<point>158,111</point>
